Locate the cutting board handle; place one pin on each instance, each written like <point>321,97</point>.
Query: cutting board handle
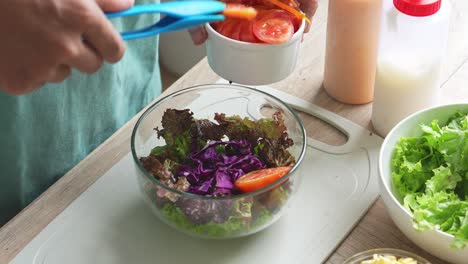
<point>352,131</point>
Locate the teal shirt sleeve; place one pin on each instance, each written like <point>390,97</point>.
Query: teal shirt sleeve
<point>46,133</point>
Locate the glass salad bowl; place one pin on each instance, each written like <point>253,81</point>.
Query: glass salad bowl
<point>214,207</point>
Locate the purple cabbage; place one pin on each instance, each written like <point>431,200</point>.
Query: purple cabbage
<point>213,170</point>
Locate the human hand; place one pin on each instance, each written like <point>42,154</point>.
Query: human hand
<point>44,39</point>
<point>309,7</point>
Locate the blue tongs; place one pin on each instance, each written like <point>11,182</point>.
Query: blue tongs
<point>179,15</point>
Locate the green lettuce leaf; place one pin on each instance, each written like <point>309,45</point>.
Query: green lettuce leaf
<point>442,180</point>
<point>237,128</point>
<point>276,199</point>
<point>175,122</point>
<point>461,236</point>
<point>462,189</point>
<point>233,226</point>
<point>177,152</point>
<point>413,163</point>
<point>207,130</point>
<point>161,171</point>
<point>451,141</point>
<point>176,132</point>
<point>274,154</point>
<point>442,211</point>
<point>184,134</point>
<point>268,135</point>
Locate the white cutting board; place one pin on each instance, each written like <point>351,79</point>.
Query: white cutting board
<point>110,223</point>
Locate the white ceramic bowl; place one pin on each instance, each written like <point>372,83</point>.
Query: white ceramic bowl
<point>433,241</point>
<point>252,63</point>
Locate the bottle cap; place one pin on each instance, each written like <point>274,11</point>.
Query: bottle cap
<point>418,8</point>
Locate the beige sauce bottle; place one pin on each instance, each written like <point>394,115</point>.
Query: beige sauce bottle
<point>351,52</point>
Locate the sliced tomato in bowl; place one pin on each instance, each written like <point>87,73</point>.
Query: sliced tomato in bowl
<point>274,27</point>
<point>228,28</point>
<point>236,30</point>
<point>270,25</point>
<point>216,25</point>
<point>262,12</point>
<point>246,32</point>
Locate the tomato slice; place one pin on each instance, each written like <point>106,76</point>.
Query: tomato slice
<point>216,25</point>
<point>258,179</point>
<point>228,27</point>
<point>246,32</point>
<point>236,30</point>
<point>274,27</point>
<point>219,27</point>
<point>280,12</point>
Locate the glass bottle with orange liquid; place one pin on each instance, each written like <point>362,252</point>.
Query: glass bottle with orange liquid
<point>351,49</point>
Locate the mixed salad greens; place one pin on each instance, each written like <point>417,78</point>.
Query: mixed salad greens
<point>228,157</point>
<point>430,173</point>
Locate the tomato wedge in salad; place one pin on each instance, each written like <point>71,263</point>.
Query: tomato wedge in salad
<point>274,27</point>
<point>258,179</point>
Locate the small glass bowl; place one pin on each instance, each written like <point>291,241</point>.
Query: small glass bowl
<point>217,217</point>
<point>399,253</point>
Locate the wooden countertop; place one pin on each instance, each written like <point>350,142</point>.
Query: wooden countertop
<point>375,230</point>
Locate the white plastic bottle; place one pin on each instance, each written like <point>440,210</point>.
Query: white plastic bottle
<point>412,50</point>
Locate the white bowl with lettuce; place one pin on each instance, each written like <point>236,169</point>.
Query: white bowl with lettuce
<point>423,168</point>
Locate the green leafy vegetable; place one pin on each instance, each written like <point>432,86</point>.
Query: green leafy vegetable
<point>155,167</point>
<point>269,136</point>
<point>430,173</point>
<point>207,130</point>
<point>274,153</point>
<point>441,210</point>
<point>237,128</point>
<point>175,122</point>
<point>443,180</point>
<point>176,132</point>
<point>235,225</point>
<point>414,157</point>
<point>278,196</point>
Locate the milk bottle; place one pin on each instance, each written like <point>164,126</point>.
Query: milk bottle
<point>412,47</point>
